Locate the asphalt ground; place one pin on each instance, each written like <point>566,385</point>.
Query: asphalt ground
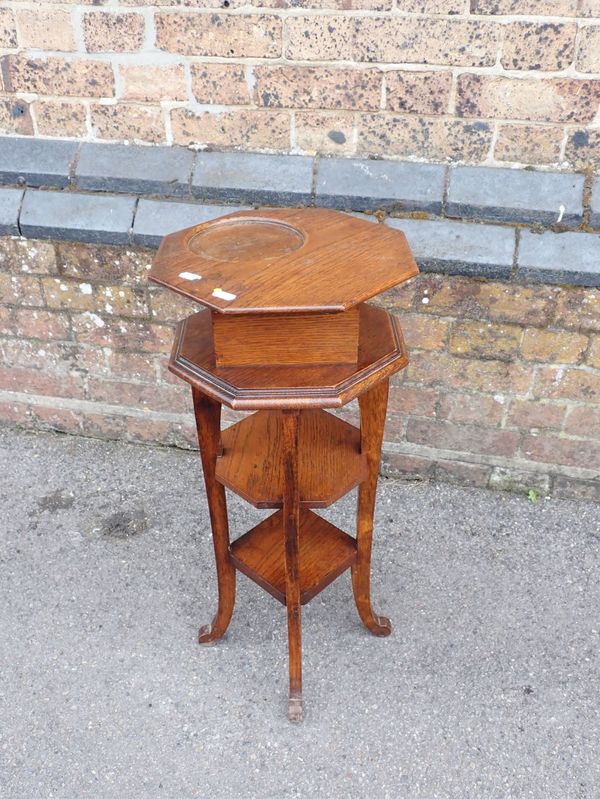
<point>488,687</point>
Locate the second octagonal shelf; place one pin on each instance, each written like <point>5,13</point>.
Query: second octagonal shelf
<point>330,462</point>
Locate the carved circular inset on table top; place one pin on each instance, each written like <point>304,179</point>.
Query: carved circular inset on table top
<point>245,239</point>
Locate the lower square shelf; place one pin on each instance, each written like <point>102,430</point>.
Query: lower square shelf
<point>325,552</point>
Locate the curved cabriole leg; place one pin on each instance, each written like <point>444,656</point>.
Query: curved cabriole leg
<point>208,425</point>
<point>373,406</point>
<point>291,527</point>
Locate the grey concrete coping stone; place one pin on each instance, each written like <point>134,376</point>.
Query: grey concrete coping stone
<point>595,204</point>
<point>253,178</point>
<point>564,258</point>
<point>459,248</point>
<point>359,184</point>
<point>10,205</point>
<point>134,169</point>
<point>77,217</point>
<point>157,218</point>
<point>36,162</point>
<point>515,195</point>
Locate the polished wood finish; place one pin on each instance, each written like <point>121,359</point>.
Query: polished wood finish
<point>330,462</point>
<point>283,340</point>
<point>373,406</point>
<point>324,553</point>
<point>208,418</point>
<point>283,260</point>
<point>381,353</point>
<point>287,334</point>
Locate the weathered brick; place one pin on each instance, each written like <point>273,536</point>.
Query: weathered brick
<point>462,438</point>
<point>435,139</point>
<point>558,8</point>
<point>107,32</point>
<point>90,328</point>
<point>152,83</point>
<point>56,357</point>
<point>529,414</point>
<point>106,264</point>
<point>461,472</point>
<point>519,480</point>
<point>29,256</point>
<point>132,366</point>
<point>37,381</point>
<point>432,6</point>
<point>528,144</point>
<point>14,413</point>
<point>20,290</point>
<point>45,29</point>
<point>574,488</point>
<point>39,324</point>
<point>457,42</point>
<point>317,87</point>
<point>228,36</point>
<point>588,55</point>
<point>117,300</point>
<point>488,377</point>
<point>581,385</point>
<point>578,309</point>
<point>8,32</point>
<point>583,149</point>
<point>138,395</point>
<point>423,332</point>
<point>583,421</point>
<point>589,8</point>
<point>58,76</point>
<point>547,100</point>
<point>60,118</point>
<point>61,419</point>
<point>103,425</point>
<point>542,46</point>
<point>549,347</point>
<point>593,356</point>
<point>564,451</point>
<point>248,129</point>
<point>137,123</point>
<point>414,401</point>
<point>501,302</point>
<point>220,84</point>
<point>499,342</point>
<point>15,117</point>
<point>418,92</point>
<point>471,409</point>
<point>409,467</point>
<point>325,132</point>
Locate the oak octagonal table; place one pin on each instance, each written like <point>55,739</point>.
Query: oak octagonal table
<point>286,333</point>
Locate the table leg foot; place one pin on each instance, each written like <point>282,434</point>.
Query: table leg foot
<point>295,709</point>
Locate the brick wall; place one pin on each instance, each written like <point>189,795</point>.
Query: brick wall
<point>503,388</point>
<point>494,81</point>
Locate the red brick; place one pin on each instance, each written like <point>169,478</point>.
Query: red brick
<point>8,32</point>
<point>57,76</point>
<point>132,365</point>
<point>563,451</point>
<point>122,334</point>
<point>224,35</point>
<point>166,306</point>
<point>395,424</point>
<point>553,347</point>
<point>573,384</point>
<point>413,401</point>
<point>476,340</point>
<point>488,377</point>
<point>583,421</point>
<point>35,381</point>
<point>470,474</point>
<point>317,87</point>
<point>60,419</point>
<point>578,309</point>
<point>244,128</point>
<point>138,395</point>
<point>20,290</point>
<point>395,464</point>
<point>27,256</point>
<point>14,413</point>
<point>462,438</point>
<point>528,414</point>
<point>102,263</point>
<point>56,357</point>
<point>40,324</point>
<point>471,409</point>
<point>100,425</point>
<point>149,431</point>
<point>423,332</point>
<point>593,356</point>
<point>544,46</point>
<point>224,84</point>
<point>113,33</point>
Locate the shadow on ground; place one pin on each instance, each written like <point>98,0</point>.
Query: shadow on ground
<point>488,687</point>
